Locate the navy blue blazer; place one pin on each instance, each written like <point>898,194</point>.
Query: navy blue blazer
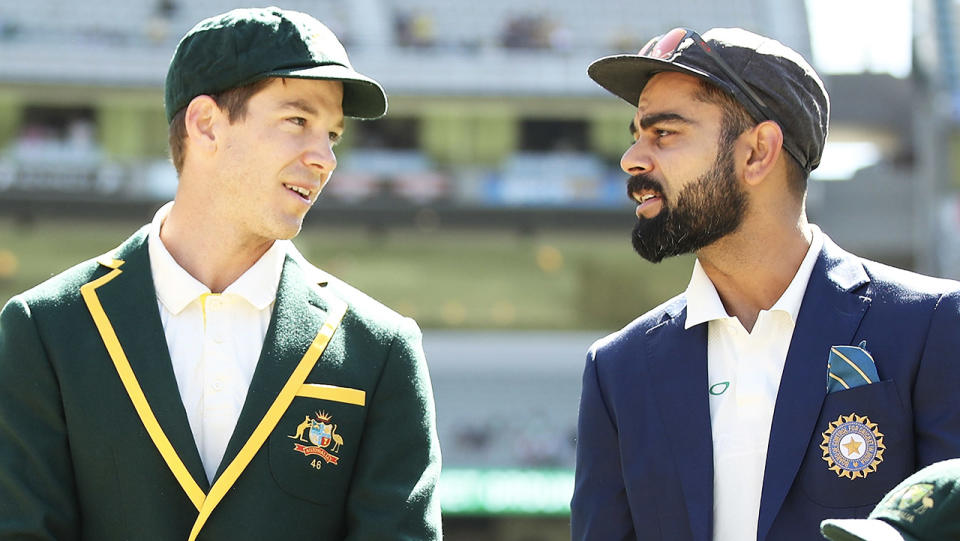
<point>644,449</point>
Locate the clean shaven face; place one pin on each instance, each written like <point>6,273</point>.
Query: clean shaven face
<point>278,157</point>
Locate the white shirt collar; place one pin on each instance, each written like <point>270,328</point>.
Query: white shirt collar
<point>176,288</point>
<point>703,302</point>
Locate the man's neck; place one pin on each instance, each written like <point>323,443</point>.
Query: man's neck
<point>209,251</point>
<point>752,268</point>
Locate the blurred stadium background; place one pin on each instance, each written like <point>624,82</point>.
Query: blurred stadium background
<point>488,204</point>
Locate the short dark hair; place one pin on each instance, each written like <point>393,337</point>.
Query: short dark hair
<point>736,120</point>
<point>234,101</point>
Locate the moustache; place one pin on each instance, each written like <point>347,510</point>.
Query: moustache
<point>640,182</point>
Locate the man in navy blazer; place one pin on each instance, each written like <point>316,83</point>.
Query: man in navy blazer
<point>792,381</point>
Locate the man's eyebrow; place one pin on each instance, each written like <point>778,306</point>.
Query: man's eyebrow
<point>657,118</point>
<point>299,104</point>
<point>304,106</point>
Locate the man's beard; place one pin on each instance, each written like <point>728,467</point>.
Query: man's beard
<point>706,210</point>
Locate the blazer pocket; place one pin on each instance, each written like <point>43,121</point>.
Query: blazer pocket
<point>313,448</point>
<point>860,470</point>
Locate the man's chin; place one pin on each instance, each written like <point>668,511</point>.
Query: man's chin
<point>655,245</point>
<point>649,238</point>
<point>289,233</point>
<point>287,229</point>
<point>651,255</point>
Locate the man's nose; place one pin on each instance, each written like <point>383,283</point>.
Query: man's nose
<point>636,159</point>
<point>320,155</point>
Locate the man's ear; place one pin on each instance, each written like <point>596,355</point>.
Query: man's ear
<point>765,142</point>
<point>201,119</point>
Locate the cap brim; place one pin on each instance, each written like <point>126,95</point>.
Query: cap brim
<point>625,75</point>
<point>362,96</point>
<point>850,529</point>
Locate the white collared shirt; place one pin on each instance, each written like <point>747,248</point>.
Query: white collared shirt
<point>214,340</point>
<point>743,371</point>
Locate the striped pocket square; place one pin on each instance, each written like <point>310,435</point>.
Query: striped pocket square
<point>849,367</point>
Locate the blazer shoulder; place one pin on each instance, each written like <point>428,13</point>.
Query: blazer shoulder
<point>362,307</point>
<point>893,285</point>
<point>61,290</point>
<point>635,331</point>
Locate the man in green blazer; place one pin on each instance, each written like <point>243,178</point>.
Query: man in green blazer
<point>202,380</point>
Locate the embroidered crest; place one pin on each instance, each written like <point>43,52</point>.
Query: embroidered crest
<point>320,432</point>
<point>852,446</point>
<point>914,499</point>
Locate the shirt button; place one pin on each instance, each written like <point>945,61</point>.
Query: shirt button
<point>217,385</point>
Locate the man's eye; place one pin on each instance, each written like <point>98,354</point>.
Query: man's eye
<point>298,120</point>
<point>335,137</point>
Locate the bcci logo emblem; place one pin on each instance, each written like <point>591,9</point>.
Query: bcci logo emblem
<point>320,432</point>
<point>852,446</point>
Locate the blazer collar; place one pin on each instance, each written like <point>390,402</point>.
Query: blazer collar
<point>832,309</point>
<point>678,376</point>
<point>129,305</point>
<point>302,306</point>
<point>304,320</point>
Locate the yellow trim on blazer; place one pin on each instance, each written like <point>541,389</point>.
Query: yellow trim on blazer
<point>132,386</point>
<point>334,393</point>
<point>272,417</point>
<point>205,503</point>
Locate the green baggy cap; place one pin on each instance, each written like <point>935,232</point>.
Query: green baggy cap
<point>245,45</point>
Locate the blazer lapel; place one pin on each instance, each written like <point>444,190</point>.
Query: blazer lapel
<point>298,314</point>
<point>830,314</point>
<point>304,320</point>
<point>678,378</point>
<point>128,302</point>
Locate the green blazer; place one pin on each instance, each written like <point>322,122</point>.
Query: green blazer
<point>336,440</point>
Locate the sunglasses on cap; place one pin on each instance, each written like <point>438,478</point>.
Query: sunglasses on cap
<point>667,46</point>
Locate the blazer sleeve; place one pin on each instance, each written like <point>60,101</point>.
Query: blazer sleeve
<point>936,400</point>
<point>37,494</point>
<point>392,494</point>
<point>599,508</point>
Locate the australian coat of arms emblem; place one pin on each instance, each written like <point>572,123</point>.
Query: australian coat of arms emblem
<point>320,432</point>
<point>852,446</point>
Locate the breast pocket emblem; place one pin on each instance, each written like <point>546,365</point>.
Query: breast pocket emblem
<point>852,446</point>
<point>319,432</point>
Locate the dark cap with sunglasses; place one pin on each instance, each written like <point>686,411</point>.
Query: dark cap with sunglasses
<point>770,80</point>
